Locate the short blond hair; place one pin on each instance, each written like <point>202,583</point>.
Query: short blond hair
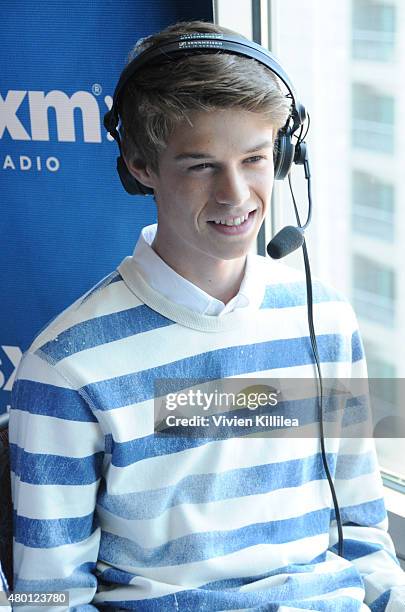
<point>160,96</point>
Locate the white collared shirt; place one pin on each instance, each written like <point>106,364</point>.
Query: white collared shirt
<point>161,277</point>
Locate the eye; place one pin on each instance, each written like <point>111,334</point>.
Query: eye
<point>200,167</point>
<point>254,159</point>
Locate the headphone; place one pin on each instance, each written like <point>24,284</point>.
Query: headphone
<point>286,153</point>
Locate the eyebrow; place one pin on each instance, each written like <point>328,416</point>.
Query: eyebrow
<point>186,155</point>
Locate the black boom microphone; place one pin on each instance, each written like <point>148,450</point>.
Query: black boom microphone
<point>286,241</point>
<point>290,238</point>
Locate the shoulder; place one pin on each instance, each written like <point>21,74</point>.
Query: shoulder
<point>46,383</point>
<point>334,317</point>
<point>283,280</point>
<point>285,287</point>
<point>91,316</point>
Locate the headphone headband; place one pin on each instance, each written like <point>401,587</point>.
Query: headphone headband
<point>203,43</point>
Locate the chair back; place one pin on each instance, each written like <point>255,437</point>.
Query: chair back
<point>6,510</point>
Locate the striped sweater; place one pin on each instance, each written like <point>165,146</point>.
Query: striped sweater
<point>123,519</point>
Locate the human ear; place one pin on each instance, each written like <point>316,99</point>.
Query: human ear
<point>142,172</point>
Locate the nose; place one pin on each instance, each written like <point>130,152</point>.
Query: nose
<point>231,188</point>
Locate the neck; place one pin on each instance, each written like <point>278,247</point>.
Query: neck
<point>219,278</point>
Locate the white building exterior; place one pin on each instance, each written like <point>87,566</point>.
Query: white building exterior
<point>347,62</point>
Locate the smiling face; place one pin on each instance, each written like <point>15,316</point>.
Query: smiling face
<point>213,189</point>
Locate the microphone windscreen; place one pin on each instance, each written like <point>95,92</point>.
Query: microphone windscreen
<point>287,240</point>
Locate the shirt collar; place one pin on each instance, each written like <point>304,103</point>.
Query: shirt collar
<point>161,277</point>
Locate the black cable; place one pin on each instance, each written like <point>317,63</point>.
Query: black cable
<point>308,124</point>
<point>318,365</point>
<point>301,137</point>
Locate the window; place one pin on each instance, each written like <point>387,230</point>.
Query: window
<point>386,391</point>
<point>372,206</point>
<point>372,119</point>
<point>353,106</point>
<point>383,373</point>
<point>373,30</point>
<point>373,290</point>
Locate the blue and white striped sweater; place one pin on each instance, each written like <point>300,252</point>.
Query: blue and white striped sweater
<point>123,519</point>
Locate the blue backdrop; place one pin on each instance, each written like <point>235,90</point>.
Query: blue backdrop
<point>66,221</point>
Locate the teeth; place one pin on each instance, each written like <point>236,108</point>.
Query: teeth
<point>235,221</point>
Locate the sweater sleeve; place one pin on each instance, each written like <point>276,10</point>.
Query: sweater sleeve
<point>359,491</point>
<point>56,457</point>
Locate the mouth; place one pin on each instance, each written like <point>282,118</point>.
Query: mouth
<point>234,225</point>
<point>232,221</point>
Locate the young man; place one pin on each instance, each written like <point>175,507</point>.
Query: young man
<point>124,519</point>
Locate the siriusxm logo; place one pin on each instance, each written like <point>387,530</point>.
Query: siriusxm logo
<point>63,107</point>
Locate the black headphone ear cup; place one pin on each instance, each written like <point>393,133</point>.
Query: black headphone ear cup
<point>131,185</point>
<point>283,155</point>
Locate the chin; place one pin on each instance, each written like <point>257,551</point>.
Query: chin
<point>234,253</point>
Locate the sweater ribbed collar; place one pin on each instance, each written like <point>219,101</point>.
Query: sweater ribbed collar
<point>255,270</point>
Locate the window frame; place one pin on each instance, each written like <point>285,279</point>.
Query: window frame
<point>263,28</point>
